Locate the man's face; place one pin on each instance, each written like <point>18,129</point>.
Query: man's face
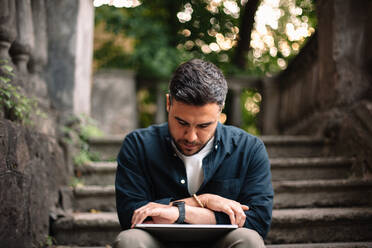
<point>192,126</point>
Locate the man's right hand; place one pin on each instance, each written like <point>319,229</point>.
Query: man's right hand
<point>232,208</point>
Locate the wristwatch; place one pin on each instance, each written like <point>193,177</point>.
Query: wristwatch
<point>181,208</point>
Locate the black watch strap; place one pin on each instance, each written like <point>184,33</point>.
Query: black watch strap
<point>181,209</point>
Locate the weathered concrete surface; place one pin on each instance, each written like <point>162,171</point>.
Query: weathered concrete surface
<point>310,168</point>
<point>31,170</point>
<point>98,173</point>
<point>114,104</point>
<point>320,225</point>
<point>107,147</point>
<point>70,44</point>
<point>326,245</point>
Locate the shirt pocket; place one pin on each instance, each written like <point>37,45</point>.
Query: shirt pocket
<point>228,188</point>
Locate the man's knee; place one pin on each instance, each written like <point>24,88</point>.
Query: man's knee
<point>135,238</point>
<point>241,237</point>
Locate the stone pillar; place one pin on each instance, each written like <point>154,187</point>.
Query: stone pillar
<point>161,113</point>
<point>24,43</point>
<point>70,44</point>
<point>270,107</point>
<point>114,104</point>
<point>235,108</point>
<point>8,31</point>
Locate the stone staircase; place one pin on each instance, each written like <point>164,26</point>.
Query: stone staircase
<point>317,203</point>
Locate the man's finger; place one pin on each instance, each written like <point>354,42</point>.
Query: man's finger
<point>231,215</point>
<point>244,207</point>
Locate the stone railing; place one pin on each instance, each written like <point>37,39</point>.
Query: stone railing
<point>293,94</point>
<point>327,89</point>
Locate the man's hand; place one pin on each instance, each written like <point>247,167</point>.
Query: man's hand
<point>160,213</point>
<point>233,209</point>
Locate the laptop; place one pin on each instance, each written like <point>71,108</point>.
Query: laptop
<point>187,233</point>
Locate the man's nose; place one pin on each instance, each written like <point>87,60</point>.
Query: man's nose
<point>190,135</point>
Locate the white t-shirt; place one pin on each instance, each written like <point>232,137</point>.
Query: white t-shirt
<point>194,166</point>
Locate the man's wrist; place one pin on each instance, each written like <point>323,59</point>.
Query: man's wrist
<point>204,199</point>
<point>181,210</point>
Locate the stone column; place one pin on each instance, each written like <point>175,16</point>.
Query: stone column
<point>161,113</point>
<point>235,108</point>
<point>24,43</point>
<point>70,44</point>
<point>8,31</point>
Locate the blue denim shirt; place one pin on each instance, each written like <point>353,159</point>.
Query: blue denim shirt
<point>237,168</point>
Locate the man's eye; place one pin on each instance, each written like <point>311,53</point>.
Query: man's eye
<point>182,123</point>
<point>204,126</point>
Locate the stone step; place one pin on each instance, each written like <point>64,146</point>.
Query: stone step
<point>322,193</point>
<point>107,147</point>
<point>92,197</point>
<point>325,245</point>
<point>310,168</point>
<point>295,146</point>
<point>320,225</point>
<point>277,146</point>
<point>86,229</point>
<point>97,173</point>
<point>318,245</point>
<point>103,173</point>
<point>288,226</point>
<point>288,194</point>
<point>65,246</point>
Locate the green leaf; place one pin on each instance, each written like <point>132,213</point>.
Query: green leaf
<point>5,80</point>
<point>8,68</point>
<point>8,104</point>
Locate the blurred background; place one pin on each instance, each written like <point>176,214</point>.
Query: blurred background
<point>248,40</point>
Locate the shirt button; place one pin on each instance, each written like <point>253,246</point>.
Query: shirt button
<point>183,181</point>
<point>216,147</point>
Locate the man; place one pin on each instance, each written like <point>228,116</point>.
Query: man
<point>193,169</point>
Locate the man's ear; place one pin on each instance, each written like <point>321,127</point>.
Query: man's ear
<point>168,102</point>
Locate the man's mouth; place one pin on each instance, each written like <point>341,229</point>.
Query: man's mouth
<point>189,145</point>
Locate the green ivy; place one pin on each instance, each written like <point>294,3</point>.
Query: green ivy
<point>16,106</point>
<point>77,133</point>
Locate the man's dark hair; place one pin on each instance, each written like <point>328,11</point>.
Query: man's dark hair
<point>198,82</point>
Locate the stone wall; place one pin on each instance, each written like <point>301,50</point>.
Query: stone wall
<point>32,167</point>
<point>48,43</point>
<point>327,89</point>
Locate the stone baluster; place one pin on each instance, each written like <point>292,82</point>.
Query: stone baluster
<point>22,46</point>
<point>36,85</point>
<point>8,31</point>
<point>39,55</point>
